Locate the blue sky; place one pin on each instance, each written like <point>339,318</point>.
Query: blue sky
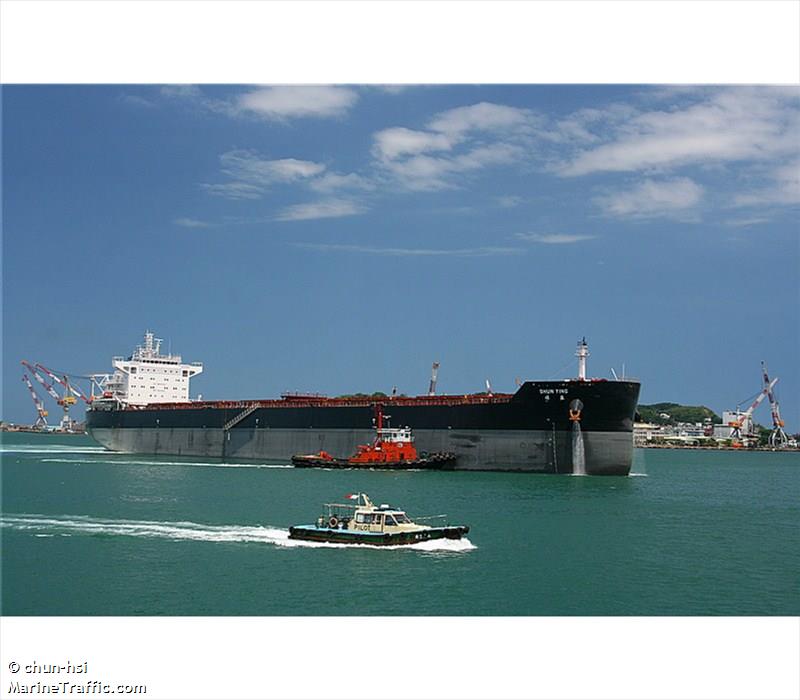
<point>339,239</point>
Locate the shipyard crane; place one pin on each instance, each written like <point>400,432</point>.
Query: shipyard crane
<point>47,387</point>
<point>41,411</point>
<point>744,419</point>
<point>70,390</point>
<point>65,402</point>
<point>777,438</point>
<point>434,374</point>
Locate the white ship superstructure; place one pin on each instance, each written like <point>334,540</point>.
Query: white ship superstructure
<point>148,377</point>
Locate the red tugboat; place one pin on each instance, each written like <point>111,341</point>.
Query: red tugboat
<point>392,448</point>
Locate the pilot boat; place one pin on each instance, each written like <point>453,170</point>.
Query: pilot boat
<point>366,523</point>
<point>392,448</point>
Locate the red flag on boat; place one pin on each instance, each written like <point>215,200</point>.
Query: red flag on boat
<point>352,496</point>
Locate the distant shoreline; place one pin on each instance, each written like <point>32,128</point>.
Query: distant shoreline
<point>718,448</point>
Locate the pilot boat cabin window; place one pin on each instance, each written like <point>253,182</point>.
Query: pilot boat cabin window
<point>390,520</point>
<point>402,518</point>
<point>366,518</point>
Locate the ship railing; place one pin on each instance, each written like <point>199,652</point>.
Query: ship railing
<point>472,399</point>
<point>340,511</point>
<point>441,516</point>
<point>348,506</point>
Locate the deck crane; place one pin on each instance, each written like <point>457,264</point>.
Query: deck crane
<point>777,438</point>
<point>41,411</point>
<point>740,438</point>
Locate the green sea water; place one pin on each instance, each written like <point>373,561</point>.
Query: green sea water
<point>88,532</point>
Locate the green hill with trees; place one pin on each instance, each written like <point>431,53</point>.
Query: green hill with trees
<point>670,413</point>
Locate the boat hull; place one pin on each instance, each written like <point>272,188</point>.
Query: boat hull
<point>531,432</point>
<point>439,460</point>
<point>312,533</point>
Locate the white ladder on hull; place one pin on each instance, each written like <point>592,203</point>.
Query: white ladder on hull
<point>239,417</point>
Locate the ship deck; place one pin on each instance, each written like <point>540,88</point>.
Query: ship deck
<point>330,402</point>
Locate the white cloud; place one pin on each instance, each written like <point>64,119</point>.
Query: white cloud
<point>784,188</point>
<point>474,137</point>
<point>508,201</point>
<point>196,98</point>
<point>191,223</point>
<point>491,154</point>
<point>412,252</point>
<point>279,103</point>
<point>137,101</point>
<point>287,102</point>
<point>248,166</point>
<point>191,92</point>
<point>398,141</point>
<point>484,116</point>
<point>729,125</point>
<point>752,221</point>
<point>234,190</point>
<point>653,198</point>
<point>393,89</point>
<point>251,174</point>
<point>330,182</point>
<point>553,238</point>
<point>424,172</point>
<point>326,209</point>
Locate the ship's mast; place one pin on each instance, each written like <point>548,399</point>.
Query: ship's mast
<point>434,373</point>
<point>582,353</point>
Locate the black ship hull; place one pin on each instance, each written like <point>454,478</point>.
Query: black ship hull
<point>529,431</point>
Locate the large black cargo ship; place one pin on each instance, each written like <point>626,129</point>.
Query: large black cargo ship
<point>572,426</point>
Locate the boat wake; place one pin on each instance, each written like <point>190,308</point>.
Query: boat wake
<point>122,460</point>
<point>80,525</point>
<point>52,449</point>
